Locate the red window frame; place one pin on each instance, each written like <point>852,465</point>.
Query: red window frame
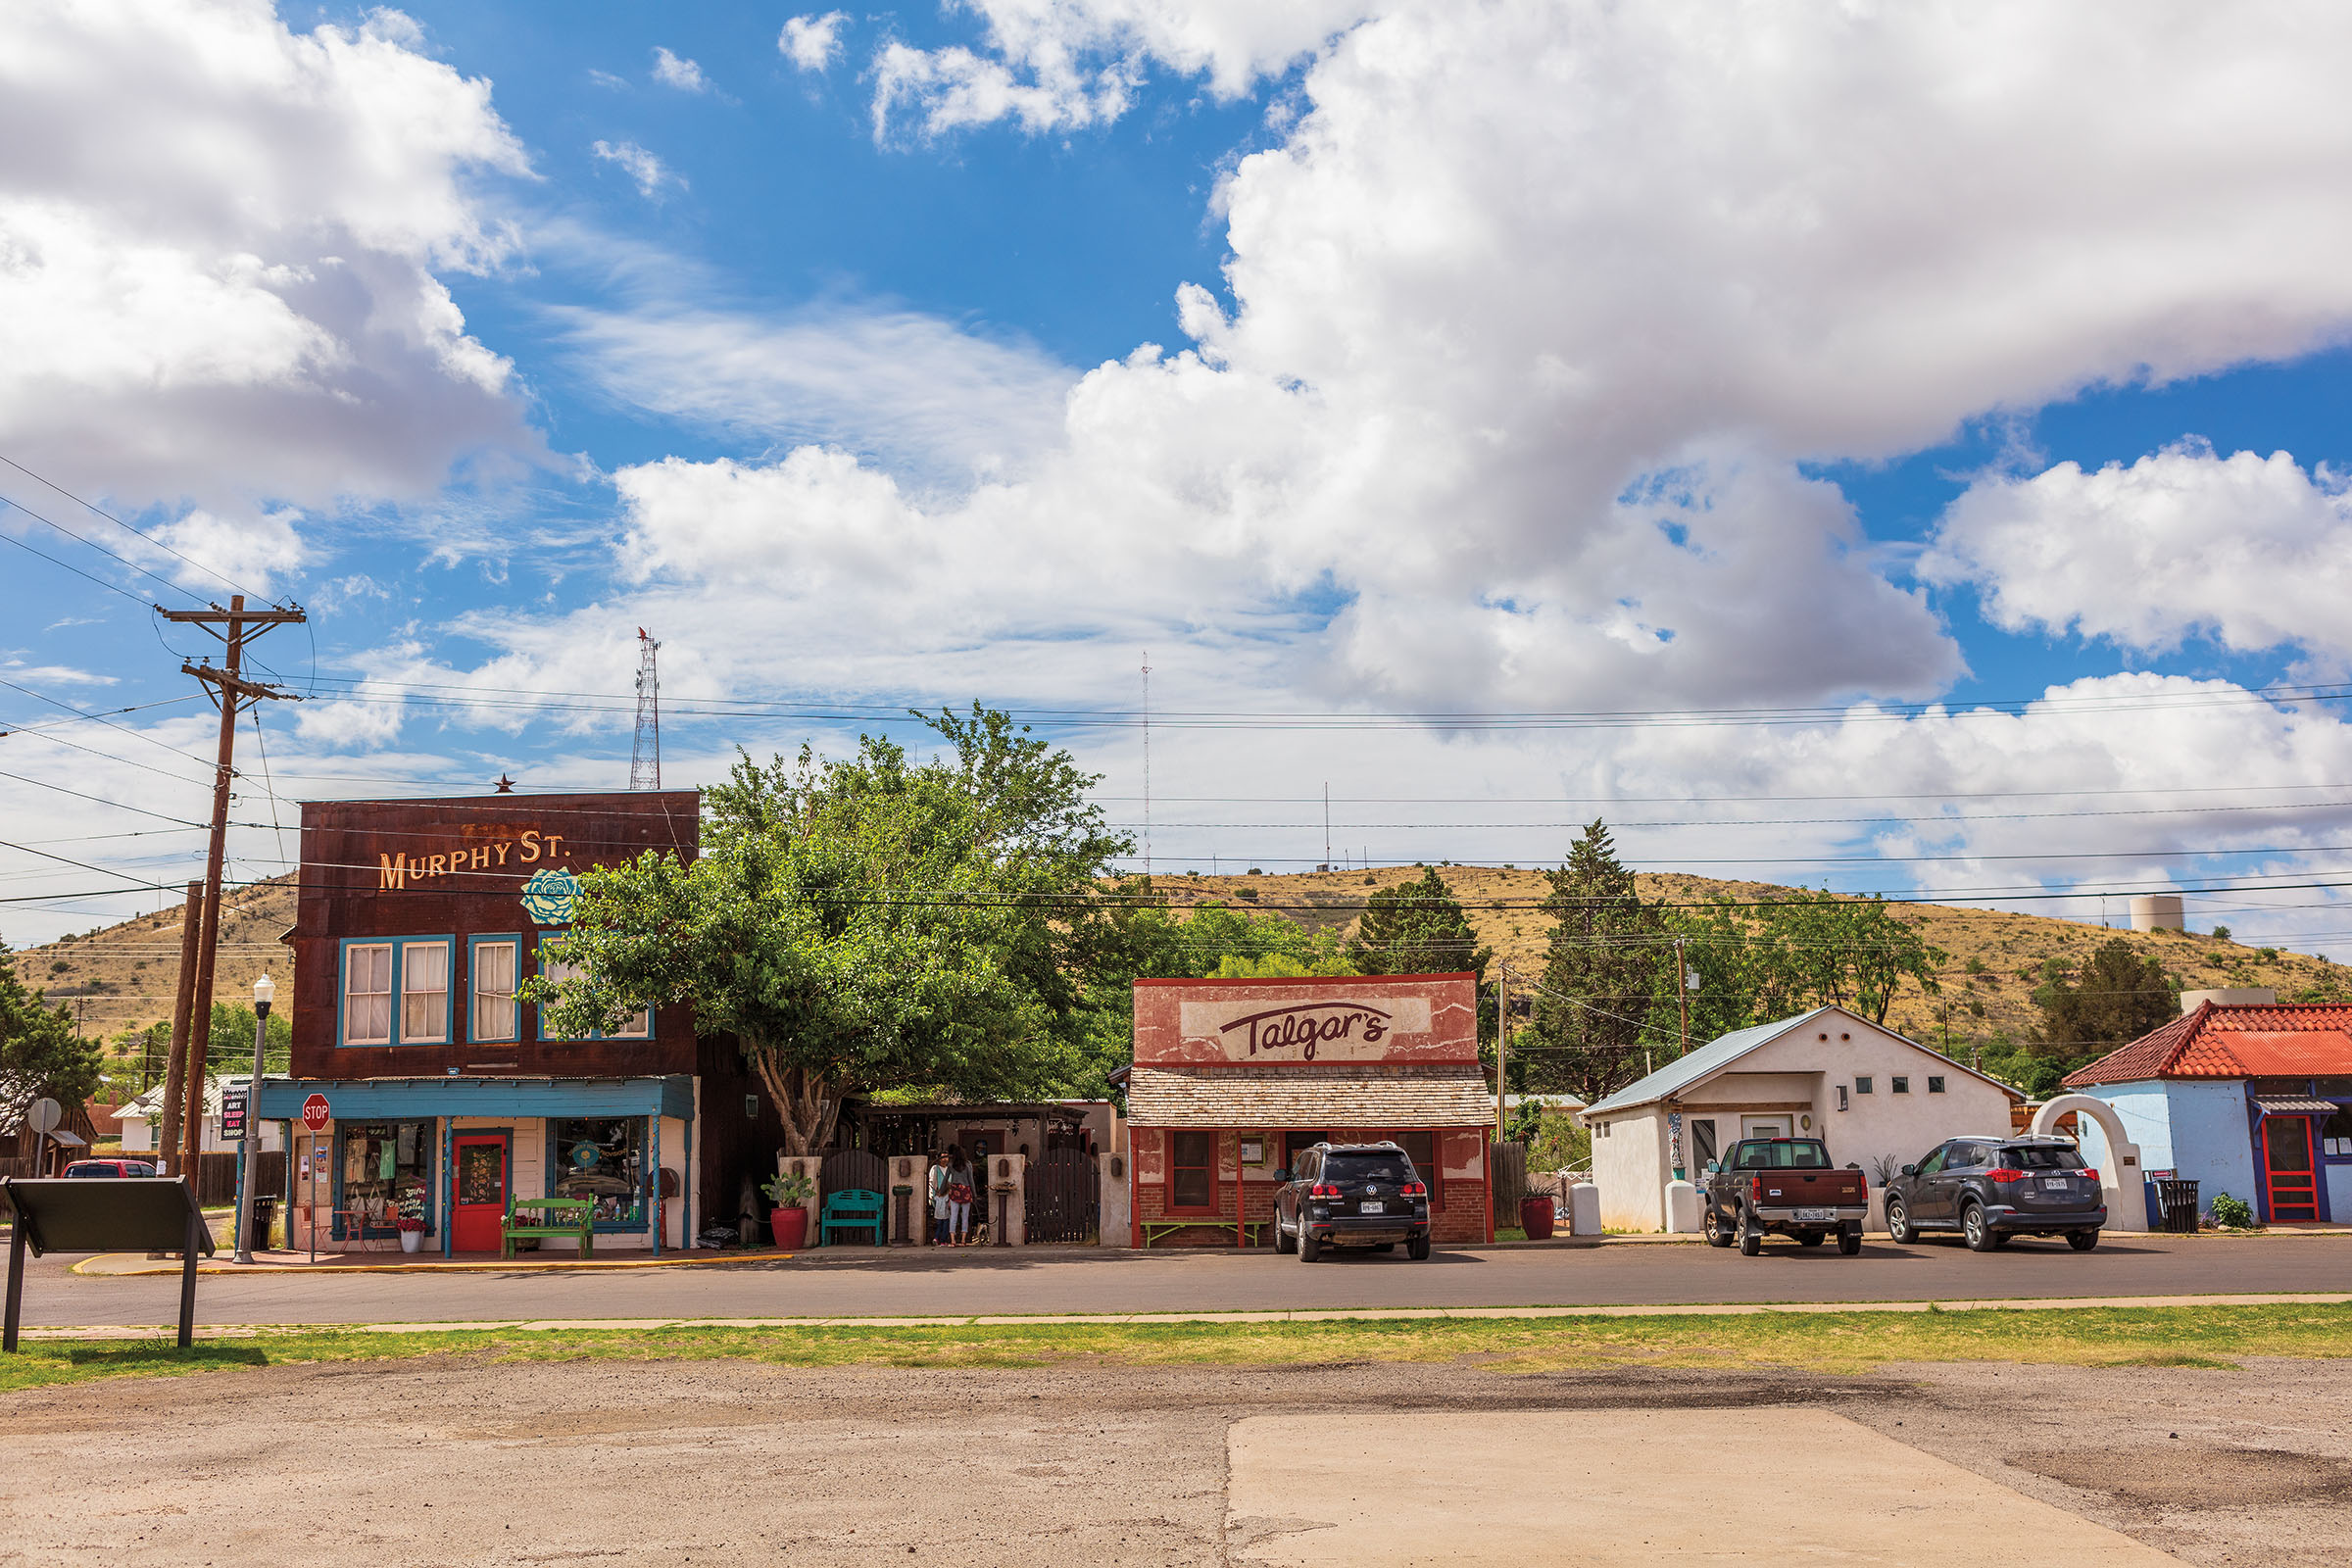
<point>1434,1173</point>
<point>1176,1138</point>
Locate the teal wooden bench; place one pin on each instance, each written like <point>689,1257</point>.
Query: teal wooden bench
<point>581,1223</point>
<point>852,1209</point>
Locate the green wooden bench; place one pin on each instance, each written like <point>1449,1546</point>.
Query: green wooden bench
<point>1159,1230</point>
<point>852,1209</point>
<point>581,1224</point>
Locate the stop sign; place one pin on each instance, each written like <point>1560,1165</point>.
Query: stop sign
<point>315,1113</point>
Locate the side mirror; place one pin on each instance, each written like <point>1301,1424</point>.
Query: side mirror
<point>1283,1174</point>
<point>1910,1170</point>
<point>1713,1167</point>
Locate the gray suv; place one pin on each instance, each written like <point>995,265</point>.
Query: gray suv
<point>1991,1188</point>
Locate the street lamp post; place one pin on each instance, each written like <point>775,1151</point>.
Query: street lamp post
<point>249,1166</point>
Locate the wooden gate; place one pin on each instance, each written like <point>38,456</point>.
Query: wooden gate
<point>1065,1196</point>
<point>853,1170</point>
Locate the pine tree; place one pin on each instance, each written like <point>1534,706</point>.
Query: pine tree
<point>1419,929</point>
<point>1601,973</point>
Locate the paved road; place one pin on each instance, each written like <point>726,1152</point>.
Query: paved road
<point>1055,1280</point>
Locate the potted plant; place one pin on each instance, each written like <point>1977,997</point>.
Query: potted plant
<point>788,1221</point>
<point>410,1220</point>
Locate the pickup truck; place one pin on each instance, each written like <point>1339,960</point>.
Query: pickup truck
<point>1787,1186</point>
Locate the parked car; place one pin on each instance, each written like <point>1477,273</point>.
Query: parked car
<point>1351,1195</point>
<point>110,1168</point>
<point>1789,1186</point>
<point>1991,1188</point>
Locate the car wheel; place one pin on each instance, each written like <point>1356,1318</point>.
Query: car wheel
<point>1898,1223</point>
<point>1751,1241</point>
<point>1976,1230</point>
<point>1309,1250</point>
<point>1809,1237</point>
<point>1282,1240</point>
<point>1417,1248</point>
<point>2082,1240</point>
<point>1719,1231</point>
<point>1849,1241</point>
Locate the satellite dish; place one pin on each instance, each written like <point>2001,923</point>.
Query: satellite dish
<point>45,1116</point>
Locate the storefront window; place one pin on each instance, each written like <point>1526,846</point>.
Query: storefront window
<point>602,1159</point>
<point>1422,1149</point>
<point>2336,1137</point>
<point>387,1170</point>
<point>1192,1170</point>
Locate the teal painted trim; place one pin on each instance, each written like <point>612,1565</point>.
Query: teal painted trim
<point>447,1187</point>
<point>652,1178</point>
<point>473,944</point>
<point>423,1098</point>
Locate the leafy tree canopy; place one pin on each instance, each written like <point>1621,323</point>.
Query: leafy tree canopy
<point>1601,971</point>
<point>1419,927</point>
<point>1822,949</point>
<point>2116,997</point>
<point>39,1053</point>
<point>865,924</point>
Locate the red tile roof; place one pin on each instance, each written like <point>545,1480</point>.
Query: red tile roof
<point>2272,1040</point>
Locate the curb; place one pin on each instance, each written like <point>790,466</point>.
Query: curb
<point>132,1265</point>
<point>1116,1319</point>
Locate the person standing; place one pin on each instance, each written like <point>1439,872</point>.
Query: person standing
<point>938,1184</point>
<point>959,1196</point>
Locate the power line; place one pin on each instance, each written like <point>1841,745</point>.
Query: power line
<point>142,533</point>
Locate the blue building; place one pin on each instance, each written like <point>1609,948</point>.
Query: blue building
<point>2250,1099</point>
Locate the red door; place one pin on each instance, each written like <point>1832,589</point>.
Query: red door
<point>2287,1168</point>
<point>480,1206</point>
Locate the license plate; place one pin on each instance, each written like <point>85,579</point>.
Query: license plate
<point>1371,1209</point>
<point>1817,1213</point>
<point>2057,1184</point>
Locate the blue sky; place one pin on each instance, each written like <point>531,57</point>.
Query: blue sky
<point>1361,360</point>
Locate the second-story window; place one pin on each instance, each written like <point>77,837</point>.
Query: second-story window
<point>423,991</point>
<point>494,976</point>
<point>637,1026</point>
<point>368,993</point>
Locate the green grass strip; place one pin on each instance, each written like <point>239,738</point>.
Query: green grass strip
<point>1827,1342</point>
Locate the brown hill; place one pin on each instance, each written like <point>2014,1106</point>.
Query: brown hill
<point>1993,996</point>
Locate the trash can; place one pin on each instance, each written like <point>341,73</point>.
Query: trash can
<point>265,1215</point>
<point>2177,1197</point>
<point>1535,1218</point>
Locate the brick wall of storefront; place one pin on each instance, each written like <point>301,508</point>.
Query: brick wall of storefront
<point>1458,1218</point>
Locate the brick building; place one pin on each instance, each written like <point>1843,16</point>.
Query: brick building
<point>1232,1077</point>
<point>416,922</point>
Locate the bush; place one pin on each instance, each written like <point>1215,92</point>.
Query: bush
<point>2231,1213</point>
<point>2221,933</point>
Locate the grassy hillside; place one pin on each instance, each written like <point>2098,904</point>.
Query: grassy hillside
<point>124,975</point>
<point>1993,998</point>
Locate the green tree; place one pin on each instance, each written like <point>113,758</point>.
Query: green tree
<point>40,1056</point>
<point>1601,974</point>
<point>1821,948</point>
<point>2118,997</point>
<point>865,924</point>
<point>1418,927</point>
<point>229,1048</point>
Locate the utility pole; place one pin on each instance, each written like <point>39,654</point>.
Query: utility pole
<point>235,626</point>
<point>1327,824</point>
<point>175,1080</point>
<point>1502,1042</point>
<point>1147,764</point>
<point>1681,990</point>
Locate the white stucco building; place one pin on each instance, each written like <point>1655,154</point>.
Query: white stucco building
<point>1870,1094</point>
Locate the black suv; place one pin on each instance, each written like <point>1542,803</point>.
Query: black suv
<point>1351,1195</point>
<point>1991,1188</point>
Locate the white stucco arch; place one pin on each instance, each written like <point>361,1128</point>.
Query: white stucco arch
<point>2120,1175</point>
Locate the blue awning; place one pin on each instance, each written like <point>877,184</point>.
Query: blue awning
<point>387,1099</point>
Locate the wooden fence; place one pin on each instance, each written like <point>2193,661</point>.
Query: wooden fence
<point>1507,1165</point>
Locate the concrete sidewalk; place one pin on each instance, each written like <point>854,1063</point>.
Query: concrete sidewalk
<point>126,1332</point>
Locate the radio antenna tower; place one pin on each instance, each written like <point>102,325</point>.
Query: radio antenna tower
<point>1147,764</point>
<point>645,757</point>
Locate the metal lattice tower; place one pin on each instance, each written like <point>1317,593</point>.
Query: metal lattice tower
<point>645,757</point>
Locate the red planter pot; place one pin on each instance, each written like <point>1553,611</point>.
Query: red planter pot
<point>790,1227</point>
<point>1535,1218</point>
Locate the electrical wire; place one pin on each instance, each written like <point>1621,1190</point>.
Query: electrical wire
<point>92,506</point>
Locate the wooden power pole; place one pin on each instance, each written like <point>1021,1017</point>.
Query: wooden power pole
<point>176,1065</point>
<point>230,692</point>
<point>1503,1044</point>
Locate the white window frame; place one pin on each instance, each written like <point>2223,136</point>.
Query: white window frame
<point>513,948</point>
<point>400,980</point>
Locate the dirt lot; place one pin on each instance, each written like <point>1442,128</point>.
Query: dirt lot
<point>446,1459</point>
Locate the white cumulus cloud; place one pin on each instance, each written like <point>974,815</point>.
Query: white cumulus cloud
<point>2252,552</point>
<point>674,71</point>
<point>813,42</point>
<point>648,171</point>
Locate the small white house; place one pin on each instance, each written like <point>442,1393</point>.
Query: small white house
<point>138,1119</point>
<point>1874,1096</point>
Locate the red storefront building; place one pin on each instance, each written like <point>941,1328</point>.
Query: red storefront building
<point>416,922</point>
<point>1233,1077</point>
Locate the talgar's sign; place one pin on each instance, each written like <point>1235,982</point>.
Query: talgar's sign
<point>529,846</point>
<point>1310,1029</point>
